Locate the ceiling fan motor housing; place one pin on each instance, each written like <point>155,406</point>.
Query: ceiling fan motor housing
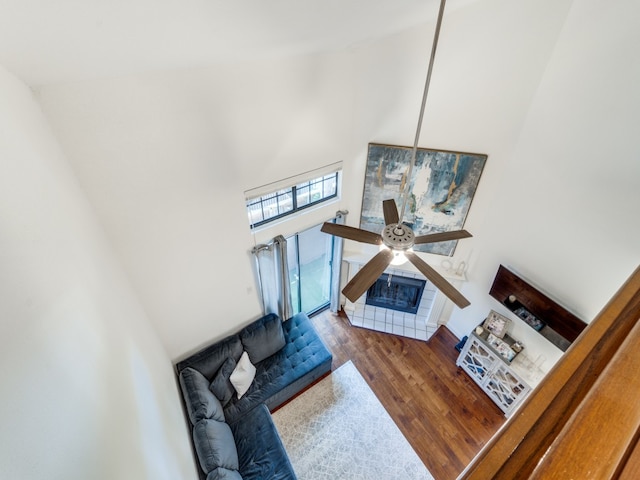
<point>397,236</point>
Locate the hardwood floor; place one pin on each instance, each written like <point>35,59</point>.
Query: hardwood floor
<point>441,411</point>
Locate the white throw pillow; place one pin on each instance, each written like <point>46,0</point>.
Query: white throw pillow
<point>243,375</point>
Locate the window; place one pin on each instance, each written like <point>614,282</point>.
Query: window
<point>272,206</point>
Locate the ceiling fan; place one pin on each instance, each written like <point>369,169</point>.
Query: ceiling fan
<point>397,239</point>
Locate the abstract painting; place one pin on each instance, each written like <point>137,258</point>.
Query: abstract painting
<point>441,188</point>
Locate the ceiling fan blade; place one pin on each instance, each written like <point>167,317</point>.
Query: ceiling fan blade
<point>351,233</point>
<point>390,212</point>
<point>367,275</point>
<point>438,280</point>
<point>442,237</point>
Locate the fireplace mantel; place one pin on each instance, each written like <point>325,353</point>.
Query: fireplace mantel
<point>434,309</point>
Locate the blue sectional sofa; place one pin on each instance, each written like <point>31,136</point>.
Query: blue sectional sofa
<point>235,438</point>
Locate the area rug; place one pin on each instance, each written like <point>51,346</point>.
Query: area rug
<point>338,429</point>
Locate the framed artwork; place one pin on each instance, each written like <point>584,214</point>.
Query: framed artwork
<point>501,347</point>
<point>496,324</point>
<point>529,318</point>
<point>441,187</point>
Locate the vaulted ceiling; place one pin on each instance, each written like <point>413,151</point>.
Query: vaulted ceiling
<point>44,41</point>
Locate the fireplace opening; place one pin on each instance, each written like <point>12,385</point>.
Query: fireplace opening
<point>396,292</point>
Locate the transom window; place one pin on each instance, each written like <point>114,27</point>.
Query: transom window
<point>272,206</point>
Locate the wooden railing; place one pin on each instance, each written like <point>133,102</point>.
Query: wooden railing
<point>583,419</point>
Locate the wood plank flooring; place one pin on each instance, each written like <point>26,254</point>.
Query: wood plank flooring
<point>445,416</point>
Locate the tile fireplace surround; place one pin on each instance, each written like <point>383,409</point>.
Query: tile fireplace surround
<point>431,311</point>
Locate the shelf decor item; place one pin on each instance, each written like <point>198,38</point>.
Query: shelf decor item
<point>529,318</point>
<point>496,324</point>
<point>517,347</point>
<point>501,347</point>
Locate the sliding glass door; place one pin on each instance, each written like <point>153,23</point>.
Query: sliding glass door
<point>309,256</point>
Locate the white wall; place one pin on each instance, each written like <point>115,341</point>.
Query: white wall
<point>87,389</point>
<point>165,158</point>
<point>546,89</point>
<point>565,216</point>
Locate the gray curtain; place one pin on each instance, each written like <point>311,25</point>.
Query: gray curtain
<point>336,264</point>
<point>273,276</point>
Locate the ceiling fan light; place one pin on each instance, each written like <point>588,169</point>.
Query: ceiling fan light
<point>398,257</point>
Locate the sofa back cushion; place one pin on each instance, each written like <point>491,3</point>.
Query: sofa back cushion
<point>215,445</point>
<point>221,384</point>
<point>209,360</point>
<point>263,338</point>
<point>201,403</point>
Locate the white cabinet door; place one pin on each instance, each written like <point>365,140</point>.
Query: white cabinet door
<point>477,360</point>
<point>505,388</point>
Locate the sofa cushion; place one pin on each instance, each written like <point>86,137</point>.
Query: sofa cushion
<point>215,445</point>
<point>224,474</point>
<point>263,338</point>
<point>209,360</point>
<point>261,453</point>
<point>243,375</point>
<point>279,377</point>
<point>201,403</point>
<point>221,385</point>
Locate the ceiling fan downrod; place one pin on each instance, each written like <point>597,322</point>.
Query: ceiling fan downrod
<point>434,46</point>
<point>397,238</point>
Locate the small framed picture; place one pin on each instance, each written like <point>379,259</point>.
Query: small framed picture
<point>501,347</point>
<point>496,324</point>
<point>529,318</point>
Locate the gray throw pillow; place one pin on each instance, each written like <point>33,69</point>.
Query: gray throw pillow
<point>224,474</point>
<point>221,384</point>
<point>200,401</point>
<point>215,445</point>
<point>263,338</point>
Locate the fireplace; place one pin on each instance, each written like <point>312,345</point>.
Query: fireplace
<point>421,325</point>
<point>396,293</point>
